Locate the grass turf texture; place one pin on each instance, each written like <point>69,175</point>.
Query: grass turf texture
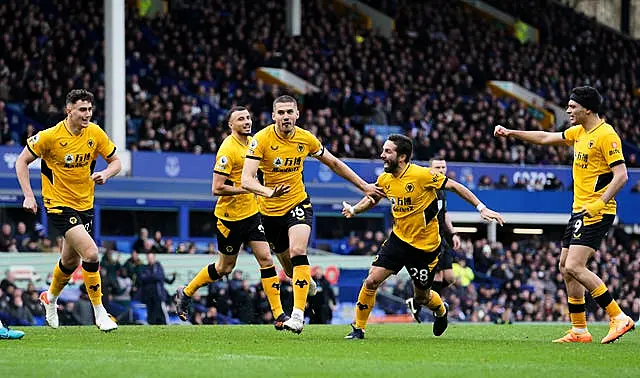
<point>251,351</point>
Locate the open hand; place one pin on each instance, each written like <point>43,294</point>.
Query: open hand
<point>492,216</point>
<point>280,190</point>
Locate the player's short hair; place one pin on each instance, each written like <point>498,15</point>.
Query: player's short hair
<point>404,145</point>
<point>79,95</point>
<point>284,100</point>
<point>434,159</point>
<point>588,97</point>
<point>233,109</point>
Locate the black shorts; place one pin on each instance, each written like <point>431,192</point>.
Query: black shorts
<point>446,258</point>
<point>70,218</point>
<point>231,234</point>
<point>277,227</point>
<point>396,254</point>
<point>590,235</point>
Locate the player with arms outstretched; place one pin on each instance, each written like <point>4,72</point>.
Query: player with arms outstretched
<point>279,151</point>
<point>68,152</point>
<point>599,172</point>
<point>415,241</point>
<point>238,221</point>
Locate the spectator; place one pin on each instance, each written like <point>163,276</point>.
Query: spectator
<point>322,304</point>
<point>139,244</point>
<point>636,187</point>
<point>153,294</point>
<point>462,273</point>
<point>485,183</point>
<point>17,309</point>
<point>158,243</point>
<point>6,238</point>
<point>503,183</point>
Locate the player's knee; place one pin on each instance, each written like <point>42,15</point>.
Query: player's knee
<point>298,250</point>
<point>70,262</point>
<point>562,269</point>
<point>90,254</point>
<point>224,269</point>
<point>372,283</point>
<point>573,269</point>
<point>447,278</point>
<point>264,261</point>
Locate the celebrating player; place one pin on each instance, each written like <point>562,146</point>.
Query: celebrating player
<point>68,152</point>
<point>415,241</point>
<point>238,221</point>
<point>599,172</point>
<point>279,151</point>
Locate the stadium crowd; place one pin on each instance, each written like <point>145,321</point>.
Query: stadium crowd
<point>429,81</point>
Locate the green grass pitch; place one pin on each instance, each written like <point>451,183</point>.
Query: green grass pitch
<point>391,350</point>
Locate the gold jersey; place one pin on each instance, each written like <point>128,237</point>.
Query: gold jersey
<point>67,164</point>
<point>281,162</point>
<point>414,205</point>
<point>229,162</point>
<point>594,153</point>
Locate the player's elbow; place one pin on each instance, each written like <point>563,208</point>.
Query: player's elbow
<point>217,191</point>
<point>117,166</point>
<point>245,182</point>
<point>21,164</point>
<point>624,177</point>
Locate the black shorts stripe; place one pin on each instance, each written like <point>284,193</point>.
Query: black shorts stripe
<point>603,180</point>
<point>112,152</point>
<point>617,162</point>
<point>32,153</point>
<point>253,157</point>
<point>221,173</point>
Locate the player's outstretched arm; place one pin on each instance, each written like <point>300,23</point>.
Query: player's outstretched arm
<point>620,178</point>
<point>250,181</point>
<point>365,204</point>
<point>22,171</point>
<point>114,165</point>
<point>486,213</point>
<point>220,188</point>
<point>536,137</point>
<point>343,170</point>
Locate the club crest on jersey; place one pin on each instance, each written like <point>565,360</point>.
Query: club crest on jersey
<point>277,162</point>
<point>68,158</point>
<point>91,143</point>
<point>591,143</point>
<point>300,147</point>
<point>409,187</point>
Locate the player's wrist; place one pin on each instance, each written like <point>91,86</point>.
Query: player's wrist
<point>352,210</point>
<point>481,206</point>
